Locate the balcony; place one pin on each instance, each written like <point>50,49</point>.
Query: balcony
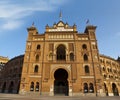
<point>60,58</point>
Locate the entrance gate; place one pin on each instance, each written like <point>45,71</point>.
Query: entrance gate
<point>61,83</point>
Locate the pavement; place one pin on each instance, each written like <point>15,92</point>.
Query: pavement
<point>26,97</point>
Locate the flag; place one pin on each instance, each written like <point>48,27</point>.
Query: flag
<point>87,21</point>
<point>33,24</point>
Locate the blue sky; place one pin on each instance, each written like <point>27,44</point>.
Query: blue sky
<point>17,15</point>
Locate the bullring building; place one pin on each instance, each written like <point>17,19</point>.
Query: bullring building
<point>62,61</point>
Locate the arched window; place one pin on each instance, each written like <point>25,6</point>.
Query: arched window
<point>32,86</point>
<point>84,47</point>
<point>105,76</point>
<point>71,57</point>
<point>37,86</point>
<point>85,57</point>
<point>85,88</point>
<point>91,88</point>
<point>36,69</point>
<point>37,57</point>
<point>87,69</point>
<point>38,47</point>
<point>103,68</point>
<point>61,52</point>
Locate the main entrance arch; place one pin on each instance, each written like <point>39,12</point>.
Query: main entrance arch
<point>61,82</point>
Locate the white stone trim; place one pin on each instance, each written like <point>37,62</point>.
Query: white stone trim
<point>35,76</point>
<point>87,76</point>
<point>110,94</point>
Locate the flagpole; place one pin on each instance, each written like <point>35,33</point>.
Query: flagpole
<point>60,15</point>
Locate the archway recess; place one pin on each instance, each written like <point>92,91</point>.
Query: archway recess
<point>61,82</point>
<point>114,89</point>
<point>61,52</point>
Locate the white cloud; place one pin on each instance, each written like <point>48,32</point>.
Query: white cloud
<point>17,9</point>
<point>11,25</point>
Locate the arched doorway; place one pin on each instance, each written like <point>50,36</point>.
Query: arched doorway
<point>106,90</point>
<point>11,86</point>
<point>61,52</point>
<point>4,87</point>
<point>61,82</point>
<point>115,90</point>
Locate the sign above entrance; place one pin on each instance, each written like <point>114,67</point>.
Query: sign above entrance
<point>61,27</point>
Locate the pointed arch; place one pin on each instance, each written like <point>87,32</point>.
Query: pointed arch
<point>85,57</point>
<point>37,86</point>
<point>87,71</point>
<point>36,69</point>
<point>115,89</point>
<point>84,47</point>
<point>38,47</point>
<point>32,86</point>
<point>61,52</point>
<point>91,88</point>
<point>85,88</point>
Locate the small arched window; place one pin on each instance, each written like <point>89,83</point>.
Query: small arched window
<point>85,88</point>
<point>103,68</point>
<point>91,88</point>
<point>71,57</point>
<point>38,47</point>
<point>37,86</point>
<point>84,47</point>
<point>87,69</point>
<point>37,57</point>
<point>36,69</point>
<point>32,86</point>
<point>85,57</point>
<point>105,76</point>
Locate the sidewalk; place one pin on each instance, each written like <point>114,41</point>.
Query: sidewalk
<point>23,97</point>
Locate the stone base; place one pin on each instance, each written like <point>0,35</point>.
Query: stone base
<point>45,93</point>
<point>70,94</point>
<point>101,94</point>
<point>110,94</point>
<point>29,93</point>
<point>84,94</point>
<point>51,94</point>
<point>89,94</point>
